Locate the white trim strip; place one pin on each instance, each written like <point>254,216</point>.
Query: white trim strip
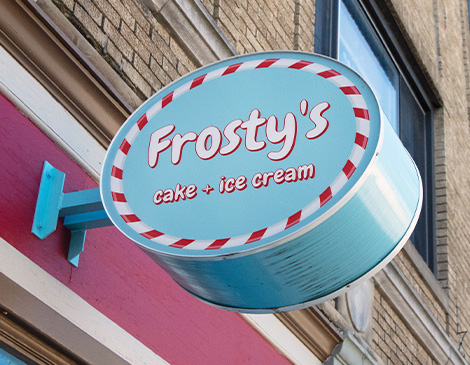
<point>339,182</point>
<point>116,185</point>
<point>139,227</point>
<point>341,81</point>
<point>280,337</point>
<point>316,68</point>
<point>357,101</point>
<point>132,134</point>
<point>123,209</point>
<point>46,303</point>
<point>33,100</point>
<point>356,155</point>
<point>362,126</point>
<point>249,65</point>
<point>277,228</point>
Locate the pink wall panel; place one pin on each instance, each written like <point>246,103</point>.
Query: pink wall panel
<point>114,275</point>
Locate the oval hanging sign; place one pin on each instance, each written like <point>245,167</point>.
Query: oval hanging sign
<point>264,182</point>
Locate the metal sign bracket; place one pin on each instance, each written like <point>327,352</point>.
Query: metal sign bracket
<point>81,210</point>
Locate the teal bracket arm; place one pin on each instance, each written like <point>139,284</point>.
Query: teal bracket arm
<point>81,210</point>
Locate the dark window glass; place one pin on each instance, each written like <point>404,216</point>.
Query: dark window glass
<point>416,136</point>
<point>360,49</point>
<point>8,356</point>
<point>348,34</point>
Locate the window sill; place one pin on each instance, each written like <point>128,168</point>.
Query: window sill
<point>395,288</point>
<point>426,274</point>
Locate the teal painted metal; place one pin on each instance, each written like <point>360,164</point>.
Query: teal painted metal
<point>84,221</point>
<point>355,240</point>
<point>81,202</point>
<point>77,245</point>
<point>82,210</point>
<point>49,201</point>
<point>262,242</point>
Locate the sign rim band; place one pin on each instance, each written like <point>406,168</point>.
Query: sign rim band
<point>361,114</point>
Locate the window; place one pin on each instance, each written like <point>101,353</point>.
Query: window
<point>8,356</point>
<point>366,39</point>
<point>21,345</point>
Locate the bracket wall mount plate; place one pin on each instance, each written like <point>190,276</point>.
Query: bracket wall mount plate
<point>81,210</point>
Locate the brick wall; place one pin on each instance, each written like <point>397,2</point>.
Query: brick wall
<point>413,275</point>
<point>392,340</point>
<point>262,25</point>
<point>131,40</point>
<point>439,37</point>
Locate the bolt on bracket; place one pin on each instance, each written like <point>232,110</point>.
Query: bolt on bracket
<point>81,210</point>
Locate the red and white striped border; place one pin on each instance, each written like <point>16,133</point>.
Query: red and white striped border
<point>362,134</point>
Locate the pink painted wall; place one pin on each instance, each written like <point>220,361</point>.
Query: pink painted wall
<point>114,275</point>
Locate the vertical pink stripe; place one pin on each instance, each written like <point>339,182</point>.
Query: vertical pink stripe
<point>118,197</point>
<point>361,140</point>
<point>350,90</point>
<point>361,113</point>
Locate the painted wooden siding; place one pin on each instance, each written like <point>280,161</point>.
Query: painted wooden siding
<point>114,275</point>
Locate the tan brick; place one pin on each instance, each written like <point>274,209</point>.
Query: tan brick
<point>137,45</point>
<point>181,56</point>
<point>160,42</point>
<point>144,70</point>
<point>152,48</point>
<point>169,68</point>
<point>157,69</point>
<point>182,69</point>
<point>108,11</point>
<point>209,6</point>
<point>140,83</point>
<point>119,41</point>
<point>252,39</point>
<point>123,13</point>
<point>90,25</point>
<point>69,4</point>
<point>230,30</point>
<point>92,11</point>
<point>163,33</point>
<point>114,52</point>
<point>137,12</point>
<point>232,40</point>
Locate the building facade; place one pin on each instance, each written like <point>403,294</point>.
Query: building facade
<point>71,73</point>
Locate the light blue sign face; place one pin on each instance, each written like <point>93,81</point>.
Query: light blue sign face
<point>240,154</point>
